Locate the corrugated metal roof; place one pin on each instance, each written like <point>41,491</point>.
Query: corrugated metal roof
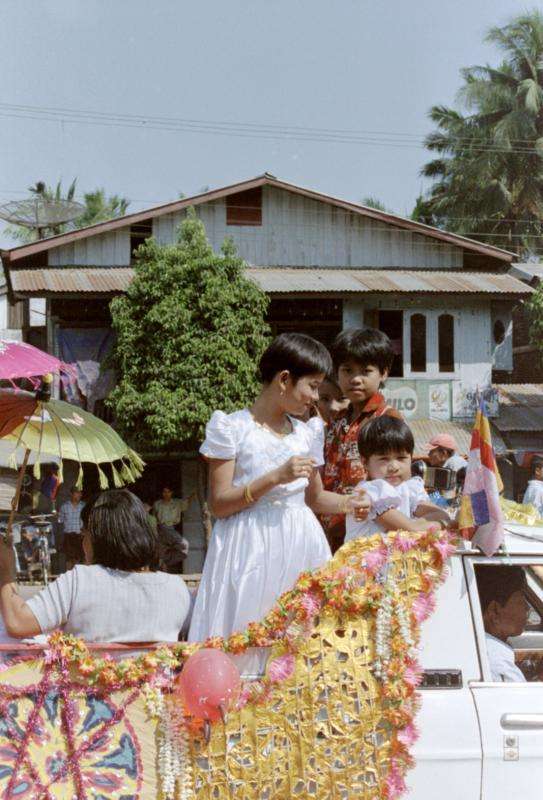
<point>426,429</point>
<point>285,280</point>
<point>70,280</point>
<point>521,394</point>
<point>527,271</point>
<point>519,418</point>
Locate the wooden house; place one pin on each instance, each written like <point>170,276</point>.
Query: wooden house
<point>446,301</point>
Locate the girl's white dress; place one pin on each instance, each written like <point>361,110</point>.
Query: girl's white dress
<point>258,553</point>
<point>383,496</point>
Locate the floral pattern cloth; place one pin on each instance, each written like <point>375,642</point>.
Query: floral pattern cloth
<point>343,469</point>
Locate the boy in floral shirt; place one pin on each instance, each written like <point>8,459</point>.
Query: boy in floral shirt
<point>362,360</point>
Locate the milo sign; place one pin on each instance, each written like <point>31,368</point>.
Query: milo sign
<point>403,399</point>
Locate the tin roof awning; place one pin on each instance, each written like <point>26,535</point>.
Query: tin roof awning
<point>286,280</point>
<point>426,429</point>
<point>281,280</point>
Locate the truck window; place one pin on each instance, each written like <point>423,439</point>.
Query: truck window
<point>511,605</point>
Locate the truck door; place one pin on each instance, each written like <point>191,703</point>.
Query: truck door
<point>448,754</point>
<point>511,713</point>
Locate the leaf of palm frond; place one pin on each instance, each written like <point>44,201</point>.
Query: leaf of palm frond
<point>532,93</point>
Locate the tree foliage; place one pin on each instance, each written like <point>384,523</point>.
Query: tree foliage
<point>488,174</point>
<point>535,314</point>
<point>98,208</point>
<point>190,331</point>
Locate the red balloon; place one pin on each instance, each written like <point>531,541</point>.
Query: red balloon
<point>209,680</point>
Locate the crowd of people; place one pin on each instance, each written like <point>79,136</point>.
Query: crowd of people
<point>319,458</point>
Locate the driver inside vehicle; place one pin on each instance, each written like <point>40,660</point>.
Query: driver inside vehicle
<point>502,594</point>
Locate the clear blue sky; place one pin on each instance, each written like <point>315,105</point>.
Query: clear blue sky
<point>354,65</point>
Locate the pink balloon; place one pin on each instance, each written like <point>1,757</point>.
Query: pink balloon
<point>209,680</point>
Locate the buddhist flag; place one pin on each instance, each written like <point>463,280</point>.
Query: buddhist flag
<point>480,517</point>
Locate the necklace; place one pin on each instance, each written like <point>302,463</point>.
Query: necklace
<point>288,427</point>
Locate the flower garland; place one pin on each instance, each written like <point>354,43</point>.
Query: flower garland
<point>358,580</point>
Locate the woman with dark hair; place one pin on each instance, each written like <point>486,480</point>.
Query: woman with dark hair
<point>119,596</point>
<point>264,487</point>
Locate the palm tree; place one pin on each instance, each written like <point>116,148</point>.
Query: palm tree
<point>488,176</point>
<point>98,208</point>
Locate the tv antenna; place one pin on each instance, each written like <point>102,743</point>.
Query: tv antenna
<point>41,212</point>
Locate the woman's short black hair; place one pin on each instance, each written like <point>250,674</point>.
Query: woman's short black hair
<point>385,435</point>
<point>299,354</point>
<point>120,532</point>
<point>498,582</point>
<point>368,346</point>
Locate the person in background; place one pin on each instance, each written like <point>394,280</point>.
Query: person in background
<point>502,594</point>
<point>362,360</point>
<point>534,491</point>
<point>49,490</point>
<point>173,547</point>
<point>331,402</point>
<point>442,452</point>
<point>69,520</point>
<point>118,596</point>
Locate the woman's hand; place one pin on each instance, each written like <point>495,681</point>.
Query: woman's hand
<point>359,505</point>
<point>295,468</point>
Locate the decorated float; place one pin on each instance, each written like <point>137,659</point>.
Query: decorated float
<point>333,717</point>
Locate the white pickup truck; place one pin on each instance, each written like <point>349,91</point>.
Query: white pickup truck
<point>480,740</point>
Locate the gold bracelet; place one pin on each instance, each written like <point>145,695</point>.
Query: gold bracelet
<point>247,494</point>
<point>344,509</point>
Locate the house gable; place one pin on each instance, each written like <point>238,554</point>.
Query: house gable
<point>291,227</point>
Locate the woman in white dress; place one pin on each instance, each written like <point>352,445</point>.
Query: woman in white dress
<point>264,487</point>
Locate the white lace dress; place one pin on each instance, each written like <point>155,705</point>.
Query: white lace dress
<point>383,496</point>
<point>258,553</point>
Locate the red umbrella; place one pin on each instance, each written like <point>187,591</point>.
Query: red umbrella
<point>23,360</point>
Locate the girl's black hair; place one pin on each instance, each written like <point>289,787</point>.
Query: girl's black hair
<point>299,354</point>
<point>368,346</point>
<point>120,532</point>
<point>385,435</point>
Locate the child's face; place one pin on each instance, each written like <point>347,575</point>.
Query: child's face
<point>538,472</point>
<point>395,467</point>
<point>331,401</point>
<point>358,381</point>
<point>298,396</point>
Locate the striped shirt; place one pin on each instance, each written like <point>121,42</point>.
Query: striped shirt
<point>70,517</point>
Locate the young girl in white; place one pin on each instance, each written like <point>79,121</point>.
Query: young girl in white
<point>398,501</point>
<point>264,487</point>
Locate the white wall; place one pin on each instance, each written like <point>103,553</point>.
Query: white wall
<point>296,231</point>
<point>473,329</point>
<point>102,250</point>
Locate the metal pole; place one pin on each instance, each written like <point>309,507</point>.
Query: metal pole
<point>16,497</point>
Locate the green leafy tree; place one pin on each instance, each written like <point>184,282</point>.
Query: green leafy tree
<point>189,333</point>
<point>98,208</point>
<point>534,307</point>
<point>488,176</point>
<point>374,202</point>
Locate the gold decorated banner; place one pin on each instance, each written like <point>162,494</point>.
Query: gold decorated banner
<point>337,724</point>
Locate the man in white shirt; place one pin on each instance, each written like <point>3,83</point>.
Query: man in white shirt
<point>173,547</point>
<point>442,452</point>
<point>534,491</point>
<point>502,594</point>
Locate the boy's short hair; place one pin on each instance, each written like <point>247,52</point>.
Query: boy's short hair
<point>385,435</point>
<point>74,489</point>
<point>369,346</point>
<point>498,582</point>
<point>537,461</point>
<point>299,354</point>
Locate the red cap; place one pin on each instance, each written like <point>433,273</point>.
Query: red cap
<point>443,440</point>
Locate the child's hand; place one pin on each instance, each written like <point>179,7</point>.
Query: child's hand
<point>359,505</point>
<point>295,468</point>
